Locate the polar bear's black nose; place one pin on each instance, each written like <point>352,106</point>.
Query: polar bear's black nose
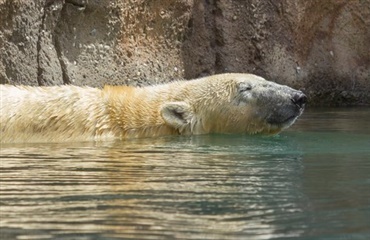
<point>299,99</point>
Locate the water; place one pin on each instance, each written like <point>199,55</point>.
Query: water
<point>310,182</point>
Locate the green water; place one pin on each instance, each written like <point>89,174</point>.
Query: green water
<point>310,182</point>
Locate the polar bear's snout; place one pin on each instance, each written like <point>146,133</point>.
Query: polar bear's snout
<point>299,99</point>
<point>288,111</point>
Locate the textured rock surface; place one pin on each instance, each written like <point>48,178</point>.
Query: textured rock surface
<point>319,46</point>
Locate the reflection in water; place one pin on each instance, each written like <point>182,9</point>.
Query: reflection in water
<point>304,182</point>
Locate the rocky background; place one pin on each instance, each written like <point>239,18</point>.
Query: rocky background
<point>319,46</point>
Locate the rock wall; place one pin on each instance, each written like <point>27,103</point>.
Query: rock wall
<point>322,47</point>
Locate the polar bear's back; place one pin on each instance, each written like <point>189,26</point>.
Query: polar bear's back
<point>28,111</point>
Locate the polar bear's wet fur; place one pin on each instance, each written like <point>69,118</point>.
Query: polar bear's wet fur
<point>224,103</point>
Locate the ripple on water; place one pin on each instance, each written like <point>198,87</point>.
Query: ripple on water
<point>310,181</point>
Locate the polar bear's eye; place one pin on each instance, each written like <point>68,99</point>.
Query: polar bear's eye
<point>244,87</point>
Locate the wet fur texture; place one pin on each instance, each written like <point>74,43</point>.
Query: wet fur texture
<point>225,103</point>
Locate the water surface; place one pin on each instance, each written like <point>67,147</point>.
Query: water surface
<point>310,182</point>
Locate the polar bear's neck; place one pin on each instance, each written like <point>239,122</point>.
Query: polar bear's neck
<point>135,112</point>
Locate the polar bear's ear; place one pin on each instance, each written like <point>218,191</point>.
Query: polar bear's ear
<point>177,114</point>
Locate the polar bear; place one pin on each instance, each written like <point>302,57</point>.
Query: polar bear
<point>223,103</point>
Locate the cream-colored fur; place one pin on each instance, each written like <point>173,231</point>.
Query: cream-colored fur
<point>214,104</point>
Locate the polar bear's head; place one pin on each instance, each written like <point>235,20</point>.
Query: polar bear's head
<point>234,103</point>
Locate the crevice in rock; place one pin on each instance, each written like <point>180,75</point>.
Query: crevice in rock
<point>63,65</point>
<point>218,38</point>
<point>39,45</point>
<point>79,4</point>
<point>58,50</point>
<point>50,8</point>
